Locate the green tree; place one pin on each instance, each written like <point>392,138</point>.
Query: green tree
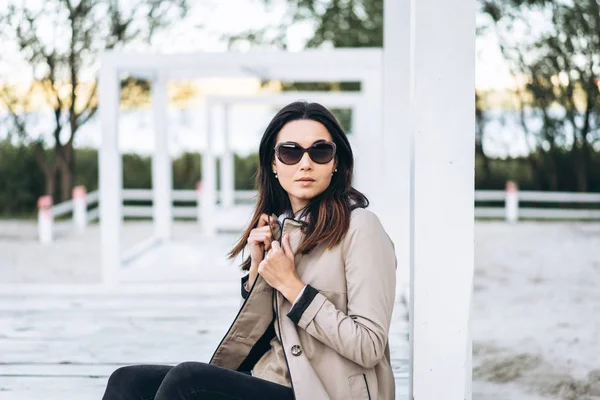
<point>338,23</point>
<point>187,170</point>
<point>20,179</point>
<point>61,41</point>
<point>553,46</point>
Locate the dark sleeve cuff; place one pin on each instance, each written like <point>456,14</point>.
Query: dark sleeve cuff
<point>244,291</point>
<point>302,304</point>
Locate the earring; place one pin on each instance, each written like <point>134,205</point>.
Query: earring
<point>334,171</point>
<point>276,177</point>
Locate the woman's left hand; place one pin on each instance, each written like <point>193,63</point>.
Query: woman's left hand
<point>278,269</point>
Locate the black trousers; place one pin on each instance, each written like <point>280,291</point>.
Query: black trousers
<point>190,381</point>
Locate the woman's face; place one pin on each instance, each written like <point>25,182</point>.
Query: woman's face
<point>305,132</point>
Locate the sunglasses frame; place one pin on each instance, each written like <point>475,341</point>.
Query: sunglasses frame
<point>304,150</point>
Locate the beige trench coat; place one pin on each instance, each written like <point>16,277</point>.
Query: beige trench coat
<point>336,337</point>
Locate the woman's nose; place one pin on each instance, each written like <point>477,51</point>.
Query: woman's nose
<point>305,161</point>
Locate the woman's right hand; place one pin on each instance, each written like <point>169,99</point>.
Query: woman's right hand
<point>259,241</point>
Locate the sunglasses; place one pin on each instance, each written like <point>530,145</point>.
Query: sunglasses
<point>291,153</point>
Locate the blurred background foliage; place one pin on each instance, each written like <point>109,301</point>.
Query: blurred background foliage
<point>554,59</point>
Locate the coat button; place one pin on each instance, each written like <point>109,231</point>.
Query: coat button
<point>296,350</point>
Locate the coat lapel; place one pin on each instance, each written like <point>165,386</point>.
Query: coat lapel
<point>255,315</point>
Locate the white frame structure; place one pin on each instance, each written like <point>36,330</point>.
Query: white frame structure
<point>362,66</point>
<point>425,119</point>
<point>356,101</point>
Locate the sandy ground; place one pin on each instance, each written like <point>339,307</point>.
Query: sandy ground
<point>536,311</point>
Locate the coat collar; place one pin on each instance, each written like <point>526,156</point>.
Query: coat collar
<point>291,226</point>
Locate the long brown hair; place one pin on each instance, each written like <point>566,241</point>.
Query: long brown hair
<point>328,214</point>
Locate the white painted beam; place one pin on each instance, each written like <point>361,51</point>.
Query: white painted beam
<point>110,173</point>
<point>442,125</point>
<point>162,181</point>
<point>209,179</point>
<point>370,166</point>
<point>227,164</point>
<point>328,99</point>
<point>396,144</point>
<point>341,64</point>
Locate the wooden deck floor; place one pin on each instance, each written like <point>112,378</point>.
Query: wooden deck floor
<point>58,345</point>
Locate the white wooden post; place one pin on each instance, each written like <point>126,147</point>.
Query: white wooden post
<point>511,202</point>
<point>370,162</point>
<point>80,219</point>
<point>209,181</point>
<point>360,130</point>
<point>396,145</point>
<point>110,172</point>
<point>227,167</point>
<point>442,126</point>
<point>199,202</point>
<point>161,162</point>
<point>45,219</point>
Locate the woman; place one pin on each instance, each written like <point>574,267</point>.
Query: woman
<point>318,297</point>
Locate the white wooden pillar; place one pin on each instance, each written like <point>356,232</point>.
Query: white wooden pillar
<point>110,173</point>
<point>80,218</point>
<point>209,178</point>
<point>396,145</point>
<point>360,123</point>
<point>370,163</point>
<point>352,138</point>
<point>352,128</point>
<point>441,130</point>
<point>45,219</point>
<point>511,202</point>
<point>161,161</point>
<point>227,167</point>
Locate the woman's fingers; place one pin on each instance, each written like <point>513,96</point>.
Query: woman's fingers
<point>260,233</point>
<point>265,220</point>
<point>263,233</point>
<point>262,221</point>
<point>260,236</point>
<point>267,242</point>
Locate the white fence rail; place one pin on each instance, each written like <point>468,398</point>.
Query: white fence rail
<point>510,207</point>
<point>539,197</point>
<point>513,208</point>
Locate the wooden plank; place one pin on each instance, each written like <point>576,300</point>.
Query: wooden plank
<point>559,197</point>
<point>76,341</point>
<point>62,208</point>
<point>552,213</point>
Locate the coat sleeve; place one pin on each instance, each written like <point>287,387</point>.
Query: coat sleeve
<point>370,263</point>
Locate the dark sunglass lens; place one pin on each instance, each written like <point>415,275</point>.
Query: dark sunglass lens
<point>290,154</point>
<point>321,153</point>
